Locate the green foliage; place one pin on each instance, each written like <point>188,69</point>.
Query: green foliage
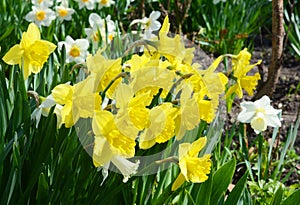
<point>227,27</point>
<point>292,27</point>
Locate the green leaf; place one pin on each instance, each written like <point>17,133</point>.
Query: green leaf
<point>204,193</point>
<point>277,197</point>
<point>43,190</point>
<point>221,180</point>
<point>237,191</point>
<point>294,197</point>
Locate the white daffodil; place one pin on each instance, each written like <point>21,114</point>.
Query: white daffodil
<point>100,29</point>
<point>57,112</point>
<point>40,15</point>
<point>46,3</point>
<point>43,109</point>
<point>218,1</point>
<point>149,24</point>
<point>63,11</point>
<point>259,114</point>
<point>126,167</point>
<point>77,50</point>
<point>89,4</point>
<point>105,3</point>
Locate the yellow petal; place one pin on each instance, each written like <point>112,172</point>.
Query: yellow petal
<point>29,37</point>
<point>166,26</point>
<point>101,153</point>
<point>197,146</point>
<point>51,46</point>
<point>27,67</point>
<point>123,94</point>
<point>63,93</point>
<point>14,55</point>
<point>102,122</point>
<point>178,182</point>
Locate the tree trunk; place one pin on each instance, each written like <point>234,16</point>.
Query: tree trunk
<point>268,87</point>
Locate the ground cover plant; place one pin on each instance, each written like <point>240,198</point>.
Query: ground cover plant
<point>102,104</point>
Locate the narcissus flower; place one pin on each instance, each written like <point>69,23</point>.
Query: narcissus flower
<point>31,53</point>
<point>63,11</point>
<point>111,145</point>
<point>100,29</point>
<point>46,3</point>
<point>41,15</point>
<point>149,24</point>
<point>78,101</point>
<point>259,114</point>
<point>104,72</point>
<point>188,116</point>
<point>241,66</point>
<point>162,126</point>
<point>89,4</point>
<point>192,167</point>
<point>105,3</point>
<point>43,109</point>
<point>77,50</point>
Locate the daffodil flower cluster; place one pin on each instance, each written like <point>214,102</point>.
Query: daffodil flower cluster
<point>44,12</point>
<point>146,100</point>
<point>138,101</point>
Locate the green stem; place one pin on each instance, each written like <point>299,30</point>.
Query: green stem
<point>111,83</point>
<point>259,162</point>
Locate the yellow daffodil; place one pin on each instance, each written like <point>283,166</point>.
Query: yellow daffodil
<point>133,107</point>
<point>110,145</point>
<point>192,168</point>
<point>173,47</point>
<point>162,126</point>
<point>188,116</point>
<point>109,140</point>
<point>31,53</point>
<point>241,66</point>
<point>152,78</point>
<point>78,101</point>
<point>63,95</point>
<point>104,72</point>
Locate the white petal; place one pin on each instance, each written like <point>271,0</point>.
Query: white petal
<point>83,44</point>
<point>154,15</point>
<point>69,40</point>
<point>136,21</point>
<point>272,111</point>
<point>263,102</point>
<point>48,102</point>
<point>245,117</point>
<point>95,19</point>
<point>104,172</point>
<point>36,114</point>
<point>273,121</point>
<point>155,26</point>
<point>30,16</point>
<point>126,167</point>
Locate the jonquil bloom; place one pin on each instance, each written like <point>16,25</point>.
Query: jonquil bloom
<point>259,114</point>
<point>41,15</point>
<point>31,53</point>
<point>77,50</point>
<point>192,167</point>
